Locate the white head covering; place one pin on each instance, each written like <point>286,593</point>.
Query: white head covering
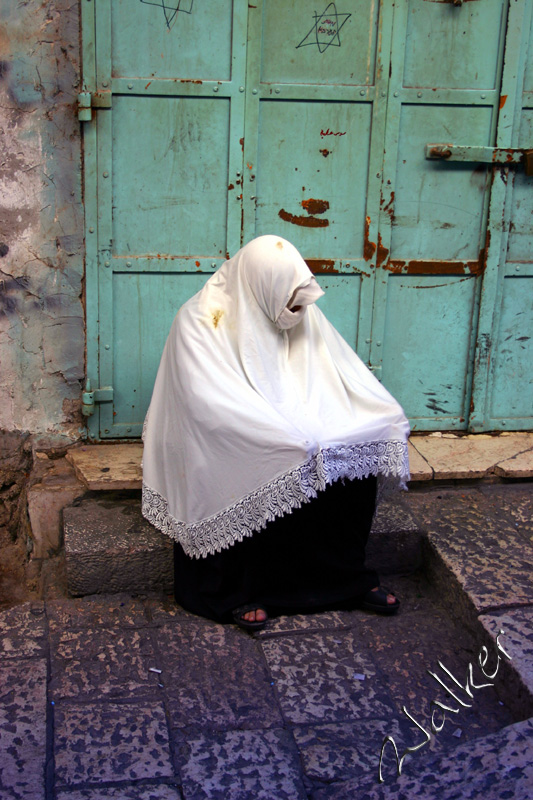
<point>256,407</point>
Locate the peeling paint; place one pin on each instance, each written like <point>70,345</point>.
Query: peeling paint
<point>305,222</point>
<point>369,248</point>
<point>315,206</point>
<point>321,266</point>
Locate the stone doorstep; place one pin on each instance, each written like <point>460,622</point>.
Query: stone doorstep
<point>432,457</point>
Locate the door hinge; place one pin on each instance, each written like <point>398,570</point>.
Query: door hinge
<point>89,100</point>
<point>91,396</point>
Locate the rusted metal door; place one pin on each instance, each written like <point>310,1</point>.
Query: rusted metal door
<point>216,122</point>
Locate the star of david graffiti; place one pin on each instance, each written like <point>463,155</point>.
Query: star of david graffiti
<point>326,29</point>
<point>171,8</point>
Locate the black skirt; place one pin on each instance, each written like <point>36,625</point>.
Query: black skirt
<point>310,560</point>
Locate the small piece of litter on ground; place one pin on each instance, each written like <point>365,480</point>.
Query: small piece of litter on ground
<point>500,702</point>
<point>153,669</point>
<point>337,641</point>
<point>458,733</point>
<point>358,676</point>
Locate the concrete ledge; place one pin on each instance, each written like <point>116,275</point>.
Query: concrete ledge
<point>108,466</point>
<point>110,547</point>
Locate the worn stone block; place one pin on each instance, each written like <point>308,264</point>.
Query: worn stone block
<point>110,547</point>
<point>466,457</point>
<point>110,742</point>
<point>22,729</point>
<point>47,498</point>
<point>110,467</point>
<point>159,791</point>
<point>395,541</point>
<point>492,767</point>
<point>22,631</point>
<point>103,663</point>
<point>240,765</point>
<point>318,678</point>
<point>215,677</point>
<point>514,680</point>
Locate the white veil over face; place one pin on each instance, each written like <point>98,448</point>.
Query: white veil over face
<point>256,408</point>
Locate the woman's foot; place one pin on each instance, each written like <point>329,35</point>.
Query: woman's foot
<point>251,617</point>
<point>381,601</point>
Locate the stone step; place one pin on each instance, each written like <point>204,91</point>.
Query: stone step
<point>110,547</point>
<point>491,767</point>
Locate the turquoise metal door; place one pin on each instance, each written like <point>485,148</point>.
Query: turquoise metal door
<point>213,123</point>
<point>163,150</point>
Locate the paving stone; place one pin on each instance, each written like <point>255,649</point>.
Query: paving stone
<point>515,678</point>
<point>520,466</point>
<point>215,677</point>
<point>107,663</point>
<point>515,504</point>
<point>468,457</point>
<point>160,791</point>
<point>97,743</point>
<point>102,466</point>
<point>22,729</point>
<point>22,631</point>
<point>345,750</point>
<point>467,538</point>
<point>316,678</point>
<point>495,767</point>
<point>240,765</point>
<point>395,541</point>
<point>328,620</point>
<point>406,647</point>
<point>94,611</point>
<point>110,547</point>
<point>418,466</point>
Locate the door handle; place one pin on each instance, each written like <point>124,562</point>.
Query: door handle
<point>488,155</point>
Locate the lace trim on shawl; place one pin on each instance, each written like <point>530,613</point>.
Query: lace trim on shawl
<point>280,496</point>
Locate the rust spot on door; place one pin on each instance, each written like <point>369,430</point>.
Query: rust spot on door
<point>189,80</point>
<point>305,222</point>
<point>382,252</point>
<point>197,263</point>
<point>325,152</point>
<point>231,186</point>
<point>241,142</point>
<point>389,208</point>
<point>434,267</point>
<point>369,248</point>
<point>503,100</point>
<point>315,206</point>
<point>321,266</point>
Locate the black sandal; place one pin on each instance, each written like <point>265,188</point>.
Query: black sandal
<point>249,625</point>
<point>376,600</point>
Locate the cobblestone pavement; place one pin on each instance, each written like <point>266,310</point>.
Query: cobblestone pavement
<point>116,697</point>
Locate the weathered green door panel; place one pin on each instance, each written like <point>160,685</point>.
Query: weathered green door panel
<point>144,305</point>
<point>512,381</point>
<point>503,384</point>
<point>322,197</point>
<point>169,148</point>
<point>453,46</point>
<point>304,45</point>
<point>428,345</point>
<point>154,42</point>
<point>315,126</point>
<point>170,175</point>
<point>440,209</point>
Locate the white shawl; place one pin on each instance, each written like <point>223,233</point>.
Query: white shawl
<point>250,419</point>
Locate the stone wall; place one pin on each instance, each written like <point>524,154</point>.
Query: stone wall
<point>41,248</point>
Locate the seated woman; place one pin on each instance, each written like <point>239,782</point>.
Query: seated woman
<point>264,442</point>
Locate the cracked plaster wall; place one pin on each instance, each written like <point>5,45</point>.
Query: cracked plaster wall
<point>41,221</point>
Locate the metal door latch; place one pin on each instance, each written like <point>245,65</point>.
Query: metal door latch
<point>487,155</point>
